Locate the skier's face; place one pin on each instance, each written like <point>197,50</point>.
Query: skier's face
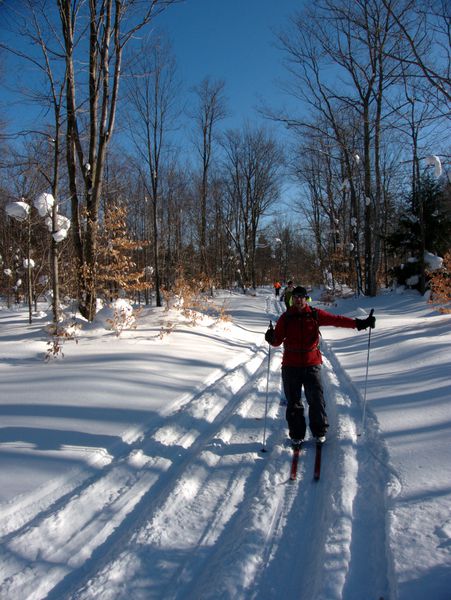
<point>299,301</point>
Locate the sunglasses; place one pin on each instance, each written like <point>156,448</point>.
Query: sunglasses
<point>299,296</point>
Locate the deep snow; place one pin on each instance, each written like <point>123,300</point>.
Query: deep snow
<point>132,468</point>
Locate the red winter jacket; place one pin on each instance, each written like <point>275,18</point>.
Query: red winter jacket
<point>299,332</point>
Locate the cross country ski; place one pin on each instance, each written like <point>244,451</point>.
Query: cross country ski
<point>295,461</point>
<point>317,468</point>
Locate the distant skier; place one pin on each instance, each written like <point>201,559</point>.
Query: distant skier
<point>286,294</point>
<point>298,330</point>
<point>277,286</point>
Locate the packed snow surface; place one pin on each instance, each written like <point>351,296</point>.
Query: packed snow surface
<point>132,468</point>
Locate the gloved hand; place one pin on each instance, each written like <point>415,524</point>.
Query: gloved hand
<point>365,323</point>
<point>269,335</point>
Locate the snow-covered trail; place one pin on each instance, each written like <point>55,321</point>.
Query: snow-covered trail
<point>196,510</point>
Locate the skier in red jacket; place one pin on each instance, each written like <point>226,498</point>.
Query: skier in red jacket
<point>298,330</point>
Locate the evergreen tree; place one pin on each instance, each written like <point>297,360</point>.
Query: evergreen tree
<point>424,225</point>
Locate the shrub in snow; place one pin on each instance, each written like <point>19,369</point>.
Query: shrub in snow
<point>117,316</point>
<point>408,273</point>
<point>117,273</point>
<point>190,298</point>
<point>440,284</point>
<point>60,333</point>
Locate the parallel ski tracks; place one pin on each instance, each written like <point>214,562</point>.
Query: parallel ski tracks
<point>197,458</point>
<point>132,494</point>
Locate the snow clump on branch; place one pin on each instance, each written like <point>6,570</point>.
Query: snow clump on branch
<point>18,210</point>
<point>435,162</point>
<point>44,203</point>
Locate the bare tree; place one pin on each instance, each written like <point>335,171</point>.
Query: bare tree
<point>357,38</point>
<point>153,93</point>
<point>110,25</point>
<point>414,117</point>
<point>252,173</point>
<point>210,111</point>
<point>36,28</point>
<point>425,27</point>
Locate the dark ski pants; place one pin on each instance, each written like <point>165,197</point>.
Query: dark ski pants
<point>309,378</point>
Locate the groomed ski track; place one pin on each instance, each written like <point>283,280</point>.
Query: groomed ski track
<point>197,511</point>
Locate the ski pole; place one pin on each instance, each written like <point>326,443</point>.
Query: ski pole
<point>266,400</point>
<point>362,425</point>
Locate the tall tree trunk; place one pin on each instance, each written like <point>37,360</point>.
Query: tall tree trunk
<point>105,47</point>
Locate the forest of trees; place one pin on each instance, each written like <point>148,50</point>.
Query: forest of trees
<point>368,150</point>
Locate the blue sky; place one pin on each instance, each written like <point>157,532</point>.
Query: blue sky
<point>232,40</point>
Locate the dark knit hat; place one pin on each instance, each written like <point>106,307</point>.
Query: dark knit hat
<point>300,291</point>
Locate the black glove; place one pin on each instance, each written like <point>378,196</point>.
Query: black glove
<point>365,323</point>
<point>269,335</point>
